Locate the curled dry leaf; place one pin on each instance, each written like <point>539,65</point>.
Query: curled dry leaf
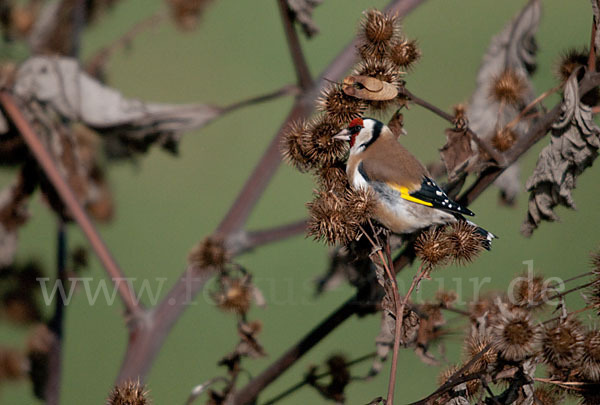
<point>369,88</point>
<point>573,148</point>
<point>128,125</point>
<point>514,50</point>
<point>302,11</point>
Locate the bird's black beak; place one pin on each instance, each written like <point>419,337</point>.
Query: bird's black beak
<point>343,135</point>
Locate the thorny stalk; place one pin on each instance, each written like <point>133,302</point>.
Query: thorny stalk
<point>529,106</point>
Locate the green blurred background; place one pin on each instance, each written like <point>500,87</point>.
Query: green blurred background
<point>166,204</point>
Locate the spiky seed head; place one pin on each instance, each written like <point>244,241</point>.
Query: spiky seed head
<point>545,396</point>
<point>328,220</point>
<point>235,295</point>
<point>340,107</point>
<point>530,292</point>
<point>383,70</point>
<point>208,254</point>
<point>128,393</point>
<point>465,242</point>
<point>433,247</point>
<point>593,296</point>
<point>292,145</point>
<point>405,53</point>
<point>596,261</point>
<point>477,341</point>
<point>509,87</point>
<point>504,139</point>
<point>569,61</point>
<point>473,386</point>
<point>460,116</point>
<point>333,178</point>
<point>562,343</point>
<point>321,148</point>
<point>514,335</point>
<point>378,32</point>
<point>361,204</point>
<point>590,362</point>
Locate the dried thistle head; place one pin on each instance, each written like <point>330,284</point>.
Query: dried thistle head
<point>433,247</point>
<point>562,343</point>
<point>514,335</point>
<point>590,361</point>
<point>530,292</point>
<point>596,261</point>
<point>321,148</point>
<point>594,291</point>
<point>234,294</point>
<point>569,61</point>
<point>504,139</point>
<point>129,393</point>
<point>378,32</point>
<point>475,342</point>
<point>329,220</point>
<point>333,177</point>
<point>360,204</point>
<point>509,87</point>
<point>340,107</point>
<point>405,53</point>
<point>460,116</point>
<point>383,70</point>
<point>209,253</point>
<point>292,145</point>
<point>472,386</point>
<point>465,242</point>
<point>545,396</point>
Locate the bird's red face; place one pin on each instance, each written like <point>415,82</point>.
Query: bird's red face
<point>354,127</point>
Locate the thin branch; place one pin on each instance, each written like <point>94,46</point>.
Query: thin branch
<point>483,145</point>
<point>304,382</point>
<point>284,91</point>
<point>305,80</point>
<point>244,241</point>
<point>44,159</point>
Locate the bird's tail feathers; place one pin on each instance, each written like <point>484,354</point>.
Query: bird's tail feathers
<point>487,242</point>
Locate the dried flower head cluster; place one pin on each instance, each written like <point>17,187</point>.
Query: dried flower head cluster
<point>504,139</point>
<point>129,393</point>
<point>562,343</point>
<point>530,291</point>
<point>515,335</point>
<point>337,211</point>
<point>459,243</point>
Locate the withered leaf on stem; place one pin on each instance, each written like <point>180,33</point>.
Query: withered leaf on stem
<point>513,49</point>
<point>457,153</point>
<point>303,10</point>
<point>596,10</point>
<point>127,125</point>
<point>573,148</point>
<point>369,88</point>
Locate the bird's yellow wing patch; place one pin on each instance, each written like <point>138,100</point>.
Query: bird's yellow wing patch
<point>405,195</point>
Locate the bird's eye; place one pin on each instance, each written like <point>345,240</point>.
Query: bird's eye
<point>355,129</point>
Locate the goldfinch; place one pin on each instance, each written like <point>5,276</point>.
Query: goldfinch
<point>408,199</point>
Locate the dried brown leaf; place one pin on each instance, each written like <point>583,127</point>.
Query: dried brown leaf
<point>303,11</point>
<point>573,147</point>
<point>513,49</point>
<point>127,125</point>
<point>369,88</point>
<point>596,10</point>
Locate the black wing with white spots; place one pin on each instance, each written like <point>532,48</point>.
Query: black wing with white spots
<point>433,194</point>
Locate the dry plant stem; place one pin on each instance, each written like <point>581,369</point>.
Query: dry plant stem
<point>44,159</point>
<point>244,241</point>
<point>302,72</point>
<point>284,91</point>
<point>101,56</point>
<point>304,382</point>
<point>52,390</point>
<point>483,145</point>
<point>399,308</point>
<point>529,106</point>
